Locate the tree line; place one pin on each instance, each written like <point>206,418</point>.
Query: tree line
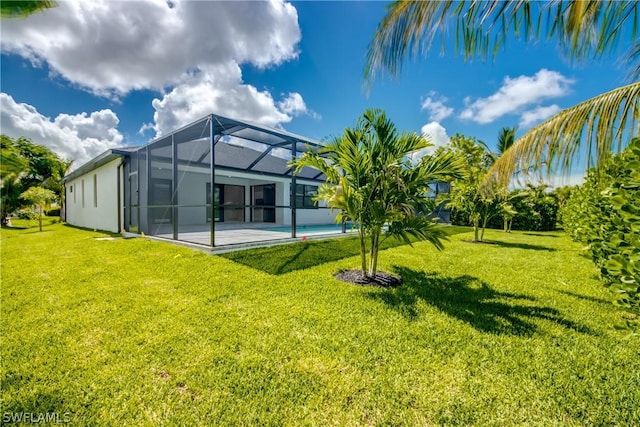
<point>31,176</point>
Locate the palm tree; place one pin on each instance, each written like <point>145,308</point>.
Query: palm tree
<point>23,8</point>
<point>584,30</point>
<point>506,138</point>
<point>39,198</point>
<point>373,183</point>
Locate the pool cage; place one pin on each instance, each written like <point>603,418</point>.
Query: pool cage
<point>220,181</point>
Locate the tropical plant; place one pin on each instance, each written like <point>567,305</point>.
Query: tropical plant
<point>31,165</point>
<point>562,194</point>
<point>508,212</point>
<point>374,184</point>
<point>584,30</point>
<point>39,198</point>
<point>23,8</point>
<point>506,208</point>
<point>506,138</point>
<point>12,164</point>
<point>469,199</point>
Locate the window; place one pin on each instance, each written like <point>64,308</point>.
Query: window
<point>304,196</point>
<point>95,191</point>
<point>83,194</point>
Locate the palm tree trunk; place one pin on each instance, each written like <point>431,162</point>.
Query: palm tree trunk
<point>506,225</point>
<point>476,224</point>
<point>373,256</point>
<point>484,226</point>
<point>363,251</point>
<point>40,217</point>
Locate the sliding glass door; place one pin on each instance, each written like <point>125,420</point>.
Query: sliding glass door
<point>263,198</point>
<point>228,203</point>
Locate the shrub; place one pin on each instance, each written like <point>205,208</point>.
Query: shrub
<point>536,210</point>
<point>604,213</point>
<point>53,212</point>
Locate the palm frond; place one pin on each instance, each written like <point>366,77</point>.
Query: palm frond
<point>23,8</point>
<point>443,166</point>
<point>506,138</point>
<point>419,227</point>
<point>596,124</point>
<point>11,163</point>
<point>585,29</point>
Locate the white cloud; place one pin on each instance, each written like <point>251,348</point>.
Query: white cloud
<point>188,51</point>
<point>560,180</point>
<point>553,181</point>
<point>537,114</point>
<point>436,107</point>
<point>77,137</point>
<point>436,134</point>
<point>294,105</point>
<point>215,90</point>
<point>113,47</point>
<point>516,94</point>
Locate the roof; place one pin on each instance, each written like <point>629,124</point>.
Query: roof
<point>239,144</point>
<point>104,158</point>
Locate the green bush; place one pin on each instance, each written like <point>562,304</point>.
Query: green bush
<point>537,210</point>
<point>53,212</point>
<point>604,213</point>
<point>26,213</point>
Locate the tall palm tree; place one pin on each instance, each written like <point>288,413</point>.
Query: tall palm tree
<point>373,183</point>
<point>584,30</point>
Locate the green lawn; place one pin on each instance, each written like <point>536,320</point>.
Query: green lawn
<point>139,332</point>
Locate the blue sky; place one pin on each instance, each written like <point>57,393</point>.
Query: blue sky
<point>87,76</point>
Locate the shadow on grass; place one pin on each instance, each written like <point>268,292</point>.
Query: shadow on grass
<point>105,232</point>
<point>15,228</point>
<point>586,297</point>
<point>521,246</point>
<point>283,259</point>
<point>540,235</point>
<point>472,301</point>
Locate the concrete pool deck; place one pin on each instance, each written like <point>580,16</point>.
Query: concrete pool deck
<point>240,236</point>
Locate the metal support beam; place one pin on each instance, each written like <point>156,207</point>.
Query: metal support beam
<point>206,153</point>
<point>174,187</point>
<point>292,198</point>
<point>148,190</point>
<point>260,157</point>
<point>213,182</point>
<point>138,188</point>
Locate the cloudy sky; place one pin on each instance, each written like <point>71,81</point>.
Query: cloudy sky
<point>86,76</point>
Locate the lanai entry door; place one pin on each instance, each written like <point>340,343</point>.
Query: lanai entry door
<point>263,200</point>
<point>132,207</point>
<point>228,202</point>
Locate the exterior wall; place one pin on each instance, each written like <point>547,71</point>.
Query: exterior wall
<point>91,209</point>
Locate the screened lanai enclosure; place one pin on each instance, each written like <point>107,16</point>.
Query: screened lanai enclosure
<point>220,181</point>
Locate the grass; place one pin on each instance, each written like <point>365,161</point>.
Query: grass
<point>139,332</point>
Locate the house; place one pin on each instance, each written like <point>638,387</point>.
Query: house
<point>215,181</point>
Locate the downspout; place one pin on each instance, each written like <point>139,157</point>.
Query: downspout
<point>118,198</point>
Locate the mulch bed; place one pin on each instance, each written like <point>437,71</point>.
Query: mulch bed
<point>381,279</point>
